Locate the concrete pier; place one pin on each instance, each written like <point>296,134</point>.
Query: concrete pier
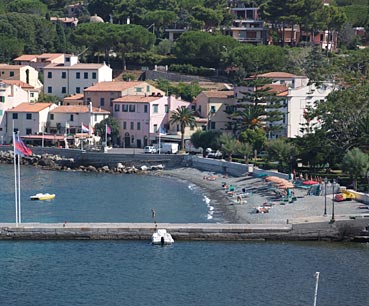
<point>303,230</point>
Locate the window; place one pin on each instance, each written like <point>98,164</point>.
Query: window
<point>147,88</point>
<point>64,75</point>
<point>111,101</point>
<point>94,75</point>
<point>138,126</point>
<point>1,112</point>
<point>138,89</point>
<point>146,108</point>
<point>125,108</point>
<point>29,116</point>
<point>102,101</point>
<point>49,89</point>
<point>116,107</point>
<point>212,125</point>
<point>155,128</point>
<point>78,75</point>
<point>132,108</point>
<point>124,125</point>
<point>32,95</point>
<point>64,90</point>
<point>132,125</point>
<point>11,73</point>
<point>49,75</point>
<point>212,109</point>
<point>85,75</point>
<point>28,131</point>
<point>155,108</point>
<point>71,117</point>
<point>78,89</point>
<point>51,116</point>
<point>15,115</point>
<point>2,99</point>
<point>166,108</point>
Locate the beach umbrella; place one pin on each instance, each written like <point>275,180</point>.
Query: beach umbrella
<point>310,182</point>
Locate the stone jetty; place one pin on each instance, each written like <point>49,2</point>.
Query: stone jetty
<point>344,228</point>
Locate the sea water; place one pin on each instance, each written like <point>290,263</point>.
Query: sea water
<point>137,273</point>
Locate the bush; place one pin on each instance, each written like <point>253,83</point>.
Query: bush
<point>192,70</point>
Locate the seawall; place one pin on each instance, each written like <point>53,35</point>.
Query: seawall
<point>341,229</point>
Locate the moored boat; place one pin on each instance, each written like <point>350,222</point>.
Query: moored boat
<point>42,197</point>
<point>162,237</point>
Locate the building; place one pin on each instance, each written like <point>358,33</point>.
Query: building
<point>66,22</point>
<point>297,95</point>
<point>142,117</point>
<point>103,94</point>
<point>68,119</point>
<point>24,73</point>
<point>212,105</point>
<point>72,77</point>
<point>12,93</point>
<point>39,61</point>
<point>27,119</point>
<point>247,26</point>
<point>77,99</point>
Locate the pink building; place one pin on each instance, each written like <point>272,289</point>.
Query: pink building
<point>141,117</point>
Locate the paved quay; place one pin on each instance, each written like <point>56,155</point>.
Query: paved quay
<point>344,228</point>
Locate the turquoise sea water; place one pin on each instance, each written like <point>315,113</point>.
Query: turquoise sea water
<point>137,273</point>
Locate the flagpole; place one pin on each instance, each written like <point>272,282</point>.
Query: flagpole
<point>159,140</point>
<point>15,181</point>
<point>106,135</point>
<point>19,197</point>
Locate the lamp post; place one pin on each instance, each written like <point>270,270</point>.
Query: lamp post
<point>333,185</point>
<point>325,197</point>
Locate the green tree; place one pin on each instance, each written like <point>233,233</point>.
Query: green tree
<point>113,123</point>
<point>245,149</point>
<point>229,145</point>
<point>256,137</point>
<point>355,162</point>
<point>206,139</point>
<point>35,7</point>
<point>184,117</point>
<point>282,151</point>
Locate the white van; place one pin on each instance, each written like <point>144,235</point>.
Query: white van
<point>149,149</point>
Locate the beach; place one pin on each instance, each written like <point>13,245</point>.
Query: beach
<point>256,193</point>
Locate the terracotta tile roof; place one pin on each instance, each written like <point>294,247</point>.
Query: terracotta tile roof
<point>276,75</point>
<point>18,83</point>
<point>26,57</point>
<point>115,86</point>
<point>219,94</point>
<point>29,107</point>
<point>74,97</point>
<point>50,56</point>
<point>78,109</point>
<point>136,99</point>
<point>276,88</point>
<point>79,66</point>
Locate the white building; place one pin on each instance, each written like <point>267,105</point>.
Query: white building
<point>297,94</point>
<point>69,118</point>
<point>13,93</point>
<point>72,77</point>
<point>27,119</point>
<point>24,73</point>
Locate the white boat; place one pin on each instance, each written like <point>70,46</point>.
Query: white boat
<point>42,197</point>
<point>162,237</point>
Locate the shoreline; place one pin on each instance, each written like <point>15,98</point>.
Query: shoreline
<point>305,208</point>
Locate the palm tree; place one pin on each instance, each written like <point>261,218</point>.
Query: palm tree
<point>245,149</point>
<point>229,145</point>
<point>185,117</point>
<point>355,162</point>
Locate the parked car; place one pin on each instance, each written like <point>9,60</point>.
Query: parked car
<point>150,149</point>
<point>213,154</point>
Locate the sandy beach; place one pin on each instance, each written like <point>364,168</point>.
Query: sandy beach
<point>256,192</point>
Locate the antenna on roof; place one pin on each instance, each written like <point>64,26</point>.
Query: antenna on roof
<point>82,52</point>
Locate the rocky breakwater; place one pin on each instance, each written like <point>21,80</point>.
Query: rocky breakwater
<point>55,162</point>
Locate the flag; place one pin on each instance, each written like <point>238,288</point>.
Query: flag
<point>162,131</point>
<point>108,129</point>
<point>91,129</point>
<point>85,128</point>
<point>20,148</point>
<point>67,126</point>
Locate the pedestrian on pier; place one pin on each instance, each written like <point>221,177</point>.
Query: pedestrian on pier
<point>153,213</point>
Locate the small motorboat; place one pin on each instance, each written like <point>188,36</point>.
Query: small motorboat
<point>42,197</point>
<point>162,237</point>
